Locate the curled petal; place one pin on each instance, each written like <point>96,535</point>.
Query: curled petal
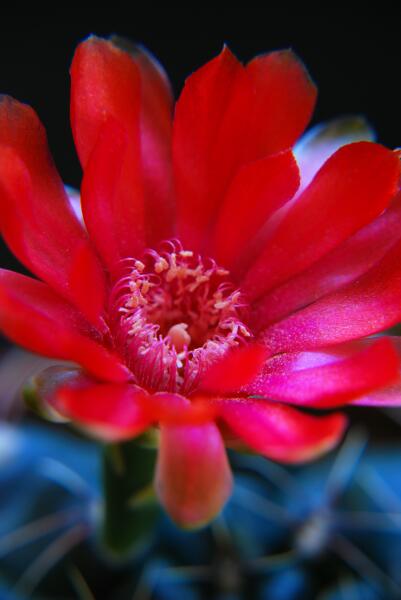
<point>330,378</point>
<point>193,476</point>
<point>32,315</point>
<point>281,432</point>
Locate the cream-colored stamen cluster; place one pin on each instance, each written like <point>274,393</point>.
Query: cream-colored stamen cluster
<point>176,314</point>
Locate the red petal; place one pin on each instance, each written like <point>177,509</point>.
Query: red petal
<point>255,193</point>
<point>106,88</point>
<point>198,115</point>
<point>339,267</point>
<point>109,190</point>
<point>281,432</point>
<point>32,315</point>
<point>389,395</point>
<point>112,412</point>
<point>284,100</point>
<point>105,83</point>
<point>37,220</point>
<point>228,116</point>
<point>352,188</point>
<point>343,374</point>
<point>367,306</point>
<point>156,130</point>
<point>173,409</point>
<point>318,144</point>
<point>234,370</point>
<point>193,477</point>
<point>131,89</point>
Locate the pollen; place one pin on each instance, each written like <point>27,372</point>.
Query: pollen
<point>174,313</point>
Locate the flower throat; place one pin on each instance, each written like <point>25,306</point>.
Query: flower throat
<point>174,313</point>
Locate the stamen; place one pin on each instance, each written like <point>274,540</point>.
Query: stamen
<point>173,314</point>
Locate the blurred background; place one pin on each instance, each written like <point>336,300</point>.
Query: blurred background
<point>281,536</point>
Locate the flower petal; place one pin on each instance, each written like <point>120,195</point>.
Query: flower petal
<point>350,190</point>
<point>37,220</point>
<point>318,144</point>
<point>234,370</point>
<point>32,315</point>
<point>174,409</point>
<point>227,116</point>
<point>369,305</point>
<point>281,432</point>
<point>255,193</point>
<point>193,476</point>
<point>109,190</point>
<point>156,130</point>
<point>111,412</point>
<point>386,397</point>
<point>105,83</point>
<point>118,81</point>
<point>283,100</point>
<point>389,395</point>
<point>341,266</point>
<point>105,117</point>
<point>344,373</point>
<point>198,115</point>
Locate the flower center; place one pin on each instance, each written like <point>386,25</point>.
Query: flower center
<point>174,313</point>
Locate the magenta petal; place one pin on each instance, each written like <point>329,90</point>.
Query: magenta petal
<point>388,396</point>
<point>281,432</point>
<point>369,305</point>
<point>351,189</point>
<point>193,476</point>
<point>341,266</point>
<point>343,374</point>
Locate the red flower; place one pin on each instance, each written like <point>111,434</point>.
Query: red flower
<point>210,289</point>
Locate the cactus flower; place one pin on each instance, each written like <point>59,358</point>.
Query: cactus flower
<point>218,273</point>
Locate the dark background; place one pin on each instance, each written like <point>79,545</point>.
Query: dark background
<point>354,58</point>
